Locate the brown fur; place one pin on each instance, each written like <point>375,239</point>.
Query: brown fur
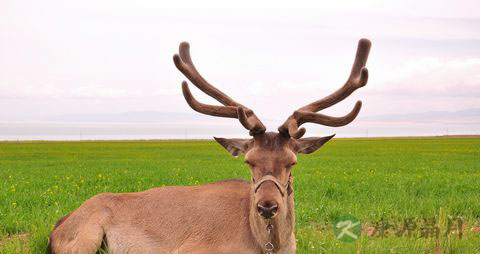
<point>220,217</point>
<point>50,238</point>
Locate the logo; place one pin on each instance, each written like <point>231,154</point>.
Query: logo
<point>347,228</point>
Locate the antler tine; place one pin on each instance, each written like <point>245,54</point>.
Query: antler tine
<point>221,111</point>
<point>358,78</point>
<point>232,109</point>
<point>185,65</point>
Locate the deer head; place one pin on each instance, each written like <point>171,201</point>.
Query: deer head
<point>272,155</point>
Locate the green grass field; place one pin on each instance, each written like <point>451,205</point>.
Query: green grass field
<point>372,179</point>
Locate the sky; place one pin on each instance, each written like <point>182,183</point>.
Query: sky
<point>73,61</point>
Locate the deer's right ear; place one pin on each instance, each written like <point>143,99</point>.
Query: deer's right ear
<point>235,146</point>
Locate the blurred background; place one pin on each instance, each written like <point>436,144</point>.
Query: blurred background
<point>79,70</point>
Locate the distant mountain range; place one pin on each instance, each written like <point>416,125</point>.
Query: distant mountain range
<point>142,117</point>
<point>169,125</point>
<point>133,117</point>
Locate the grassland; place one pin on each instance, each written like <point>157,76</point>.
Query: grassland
<point>393,179</point>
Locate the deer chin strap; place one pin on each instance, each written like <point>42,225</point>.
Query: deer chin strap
<point>271,178</point>
<point>269,247</point>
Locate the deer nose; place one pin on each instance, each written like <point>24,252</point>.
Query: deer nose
<point>267,209</point>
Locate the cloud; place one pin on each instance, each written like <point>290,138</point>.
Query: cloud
<point>115,56</point>
<point>420,85</point>
<point>60,91</point>
<point>433,77</point>
<point>423,77</point>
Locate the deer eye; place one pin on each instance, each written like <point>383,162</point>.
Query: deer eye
<point>292,164</point>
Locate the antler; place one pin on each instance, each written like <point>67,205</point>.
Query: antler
<point>358,78</point>
<point>231,108</point>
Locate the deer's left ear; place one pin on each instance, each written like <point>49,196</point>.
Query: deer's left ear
<point>235,145</point>
<point>310,145</point>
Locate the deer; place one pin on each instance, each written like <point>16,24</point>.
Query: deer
<point>226,217</point>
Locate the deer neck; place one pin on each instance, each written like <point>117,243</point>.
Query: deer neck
<point>281,234</point>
